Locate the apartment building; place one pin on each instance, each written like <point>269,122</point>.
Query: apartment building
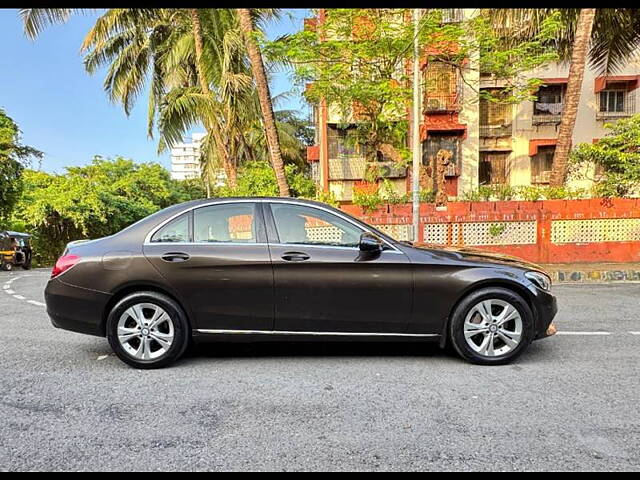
<point>185,158</point>
<point>517,143</point>
<point>492,143</point>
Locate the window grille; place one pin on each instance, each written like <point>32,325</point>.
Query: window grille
<point>442,87</point>
<point>495,119</point>
<point>616,101</point>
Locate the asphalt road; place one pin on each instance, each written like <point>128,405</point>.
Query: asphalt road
<point>570,403</point>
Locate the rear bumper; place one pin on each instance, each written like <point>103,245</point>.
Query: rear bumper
<point>75,309</point>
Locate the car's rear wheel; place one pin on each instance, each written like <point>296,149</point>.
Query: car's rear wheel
<point>7,267</point>
<point>148,330</point>
<point>492,326</point>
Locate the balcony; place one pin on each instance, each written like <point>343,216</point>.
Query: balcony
<point>547,113</point>
<point>496,130</point>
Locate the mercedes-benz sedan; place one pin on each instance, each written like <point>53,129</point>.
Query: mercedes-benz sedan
<point>273,268</point>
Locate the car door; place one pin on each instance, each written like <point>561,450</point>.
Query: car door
<point>217,259</point>
<point>324,283</point>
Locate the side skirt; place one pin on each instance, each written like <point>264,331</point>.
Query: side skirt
<point>280,336</point>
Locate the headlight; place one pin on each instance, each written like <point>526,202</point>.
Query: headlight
<point>540,279</point>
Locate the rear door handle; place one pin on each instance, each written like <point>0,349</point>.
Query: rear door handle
<point>295,257</point>
<point>175,257</point>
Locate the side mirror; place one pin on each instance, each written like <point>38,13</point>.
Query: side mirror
<point>370,243</point>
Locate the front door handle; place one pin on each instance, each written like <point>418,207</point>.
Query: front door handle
<point>295,257</point>
<point>175,257</point>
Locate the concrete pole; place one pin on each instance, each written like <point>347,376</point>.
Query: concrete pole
<point>415,141</point>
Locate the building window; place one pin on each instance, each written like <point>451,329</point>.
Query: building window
<point>451,15</point>
<point>550,101</point>
<point>442,87</point>
<point>541,164</point>
<point>434,144</point>
<point>493,168</point>
<point>616,101</point>
<point>495,118</point>
<point>612,100</point>
<point>342,142</point>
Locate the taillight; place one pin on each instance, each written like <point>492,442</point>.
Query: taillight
<point>63,264</point>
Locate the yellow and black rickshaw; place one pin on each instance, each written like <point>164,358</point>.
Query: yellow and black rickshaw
<point>15,250</point>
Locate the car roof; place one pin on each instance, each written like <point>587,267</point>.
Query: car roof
<point>9,233</point>
<point>204,201</point>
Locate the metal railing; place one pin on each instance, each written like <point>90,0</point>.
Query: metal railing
<point>496,130</point>
<point>624,107</point>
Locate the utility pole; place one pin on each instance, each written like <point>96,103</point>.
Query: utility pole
<point>415,141</point>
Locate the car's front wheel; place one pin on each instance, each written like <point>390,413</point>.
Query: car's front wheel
<point>492,326</point>
<point>148,330</point>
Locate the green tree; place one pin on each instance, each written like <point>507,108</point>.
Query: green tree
<point>197,66</point>
<point>356,60</point>
<point>13,158</point>
<point>113,193</point>
<point>618,156</point>
<point>257,179</point>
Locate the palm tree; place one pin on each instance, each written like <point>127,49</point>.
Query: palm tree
<point>37,19</point>
<point>572,98</point>
<point>262,86</point>
<point>613,39</point>
<point>212,128</point>
<point>177,49</point>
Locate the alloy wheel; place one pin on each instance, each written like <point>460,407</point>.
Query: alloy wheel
<point>493,328</point>
<point>145,331</point>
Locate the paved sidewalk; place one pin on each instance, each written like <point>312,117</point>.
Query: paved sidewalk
<point>593,272</point>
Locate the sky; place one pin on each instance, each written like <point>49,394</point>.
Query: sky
<point>64,112</point>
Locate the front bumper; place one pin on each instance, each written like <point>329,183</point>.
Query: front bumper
<point>546,306</point>
<point>76,309</point>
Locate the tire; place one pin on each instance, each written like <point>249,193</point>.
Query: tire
<point>495,342</point>
<point>26,266</point>
<point>154,353</point>
<point>7,267</point>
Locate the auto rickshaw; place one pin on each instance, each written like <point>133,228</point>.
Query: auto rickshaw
<point>15,250</point>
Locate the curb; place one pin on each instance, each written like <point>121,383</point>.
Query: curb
<point>563,277</point>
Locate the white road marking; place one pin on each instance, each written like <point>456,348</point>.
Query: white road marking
<point>7,289</point>
<point>634,333</point>
<point>583,333</point>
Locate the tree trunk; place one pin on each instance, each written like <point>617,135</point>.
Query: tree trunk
<point>262,85</point>
<point>442,160</point>
<point>572,99</point>
<point>229,167</point>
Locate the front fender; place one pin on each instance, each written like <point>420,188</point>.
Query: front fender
<point>439,289</point>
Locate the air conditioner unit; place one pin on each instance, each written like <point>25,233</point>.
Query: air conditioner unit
<point>436,104</point>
